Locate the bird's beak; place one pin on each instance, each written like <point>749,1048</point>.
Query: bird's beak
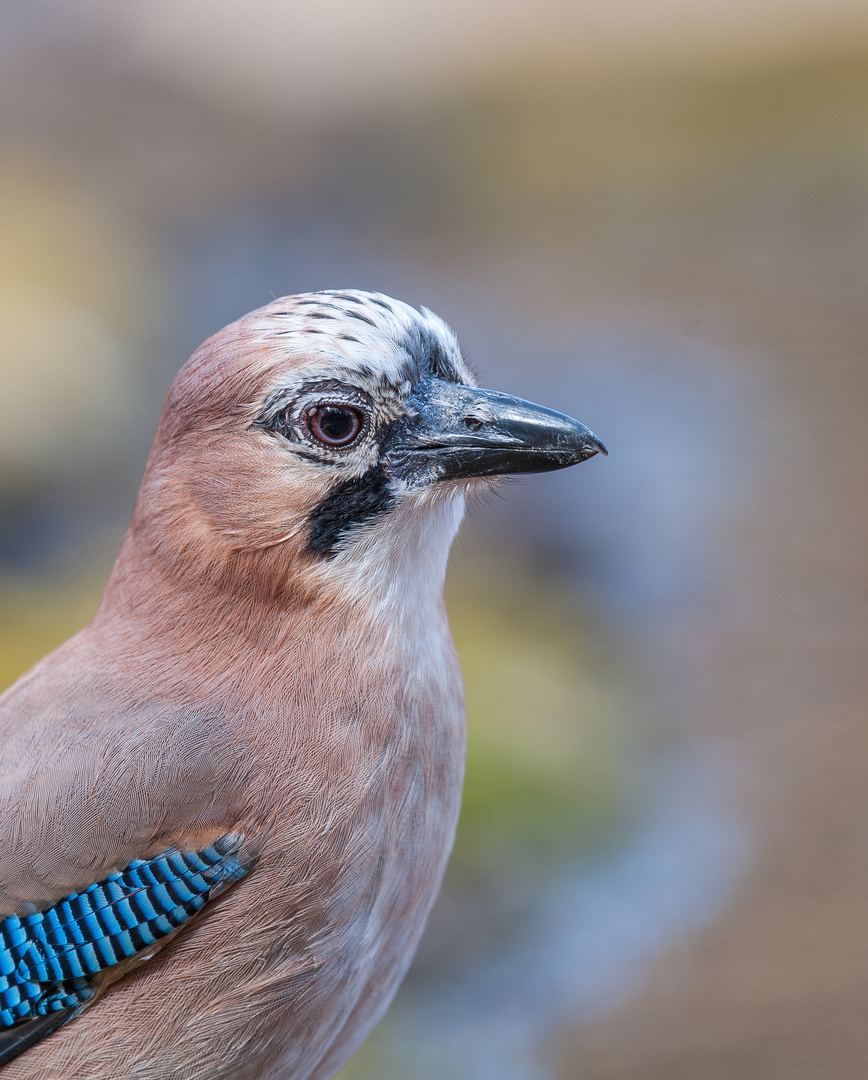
<point>455,431</point>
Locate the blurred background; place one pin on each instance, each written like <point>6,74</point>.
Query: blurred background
<point>652,214</point>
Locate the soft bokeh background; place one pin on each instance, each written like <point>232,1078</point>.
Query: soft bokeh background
<point>652,214</point>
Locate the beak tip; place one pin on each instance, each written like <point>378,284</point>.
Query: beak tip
<point>590,444</point>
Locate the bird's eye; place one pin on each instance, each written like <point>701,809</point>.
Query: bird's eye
<point>334,425</point>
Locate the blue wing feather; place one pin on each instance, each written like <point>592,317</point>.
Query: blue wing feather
<point>48,960</point>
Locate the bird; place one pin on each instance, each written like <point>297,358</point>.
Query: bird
<point>226,805</point>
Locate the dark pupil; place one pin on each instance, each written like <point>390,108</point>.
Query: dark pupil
<point>335,425</point>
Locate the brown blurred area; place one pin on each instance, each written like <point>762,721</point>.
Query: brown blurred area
<point>653,215</point>
<point>776,987</point>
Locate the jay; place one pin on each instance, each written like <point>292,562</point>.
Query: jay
<point>226,805</point>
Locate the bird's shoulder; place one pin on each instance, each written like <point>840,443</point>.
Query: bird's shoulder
<point>95,772</point>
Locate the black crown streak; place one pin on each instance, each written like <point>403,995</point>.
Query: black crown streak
<point>346,507</point>
<point>429,354</point>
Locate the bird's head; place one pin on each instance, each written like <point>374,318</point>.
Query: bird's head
<point>332,435</point>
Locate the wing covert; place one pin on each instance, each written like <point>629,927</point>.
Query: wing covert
<point>51,961</point>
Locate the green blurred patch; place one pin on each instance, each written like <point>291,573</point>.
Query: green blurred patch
<point>37,615</point>
<point>545,743</point>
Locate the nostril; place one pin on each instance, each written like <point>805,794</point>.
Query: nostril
<point>473,423</point>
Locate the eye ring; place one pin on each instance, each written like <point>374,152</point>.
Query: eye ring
<point>334,424</point>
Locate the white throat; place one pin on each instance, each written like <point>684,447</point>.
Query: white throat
<point>396,566</point>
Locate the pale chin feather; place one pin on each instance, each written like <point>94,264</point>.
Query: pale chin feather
<point>397,565</point>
